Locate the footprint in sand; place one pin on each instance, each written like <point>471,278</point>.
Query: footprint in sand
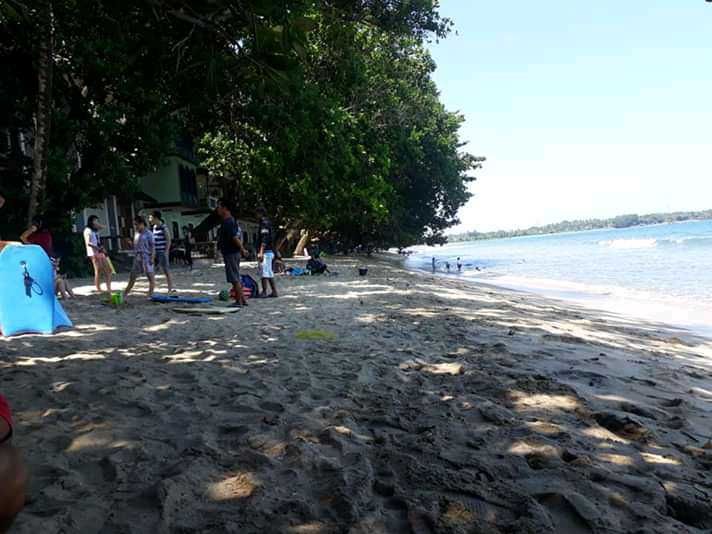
<point>272,406</point>
<point>565,518</point>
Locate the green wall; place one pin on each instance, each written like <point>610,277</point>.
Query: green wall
<point>164,184</point>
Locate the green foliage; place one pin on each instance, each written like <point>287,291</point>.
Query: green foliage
<point>324,111</point>
<point>355,146</point>
<point>621,221</point>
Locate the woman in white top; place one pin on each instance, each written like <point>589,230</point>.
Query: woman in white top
<point>97,254</point>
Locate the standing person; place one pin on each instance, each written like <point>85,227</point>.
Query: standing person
<point>230,245</point>
<point>459,265</point>
<point>447,266</point>
<point>265,254</point>
<point>162,243</point>
<point>39,234</point>
<point>145,251</point>
<point>189,242</point>
<point>434,263</point>
<point>97,254</point>
<point>13,475</point>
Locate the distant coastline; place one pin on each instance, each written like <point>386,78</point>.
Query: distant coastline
<point>621,221</point>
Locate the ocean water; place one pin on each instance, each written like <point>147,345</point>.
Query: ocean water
<point>660,273</point>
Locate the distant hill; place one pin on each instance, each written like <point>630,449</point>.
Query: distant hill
<point>622,221</point>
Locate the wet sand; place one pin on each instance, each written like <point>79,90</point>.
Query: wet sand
<point>394,403</point>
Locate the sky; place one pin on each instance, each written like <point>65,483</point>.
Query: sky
<point>582,109</point>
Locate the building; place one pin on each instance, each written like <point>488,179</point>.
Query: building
<point>178,189</point>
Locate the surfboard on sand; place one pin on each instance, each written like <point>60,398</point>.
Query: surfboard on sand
<point>207,310</point>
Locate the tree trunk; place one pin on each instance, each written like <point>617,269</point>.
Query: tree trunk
<point>43,113</point>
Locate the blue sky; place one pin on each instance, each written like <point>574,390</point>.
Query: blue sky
<point>583,109</point>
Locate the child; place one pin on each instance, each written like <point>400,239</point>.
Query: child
<point>61,286</point>
<point>145,250</point>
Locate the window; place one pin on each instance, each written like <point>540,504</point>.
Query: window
<point>188,186</point>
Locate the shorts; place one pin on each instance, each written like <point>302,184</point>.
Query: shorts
<point>141,265</point>
<point>232,268</point>
<point>266,265</point>
<point>162,262</point>
<point>100,262</point>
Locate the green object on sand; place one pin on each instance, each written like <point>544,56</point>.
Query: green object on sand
<point>117,299</point>
<point>224,295</point>
<point>315,335</point>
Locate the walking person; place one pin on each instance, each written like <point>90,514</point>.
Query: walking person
<point>145,253</point>
<point>189,242</point>
<point>96,253</point>
<point>231,247</point>
<point>162,244</point>
<point>265,254</point>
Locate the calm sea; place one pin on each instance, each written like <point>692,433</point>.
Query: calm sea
<point>660,273</point>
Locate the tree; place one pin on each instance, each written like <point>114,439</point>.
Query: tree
<point>357,147</point>
<point>322,108</point>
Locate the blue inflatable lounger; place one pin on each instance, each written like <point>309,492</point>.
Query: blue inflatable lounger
<point>172,299</point>
<point>28,304</point>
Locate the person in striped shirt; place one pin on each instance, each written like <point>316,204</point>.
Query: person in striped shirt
<point>162,243</point>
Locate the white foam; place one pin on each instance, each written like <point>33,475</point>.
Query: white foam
<point>630,243</point>
<point>646,306</point>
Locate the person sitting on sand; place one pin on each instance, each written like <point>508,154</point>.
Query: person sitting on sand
<point>39,234</point>
<point>278,265</point>
<point>61,285</point>
<point>97,254</point>
<point>230,245</point>
<point>145,252</point>
<point>13,475</point>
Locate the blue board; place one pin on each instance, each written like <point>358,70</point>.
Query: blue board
<point>176,298</point>
<point>27,300</point>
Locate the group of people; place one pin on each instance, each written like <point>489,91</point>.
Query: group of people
<point>447,265</point>
<point>152,243</point>
<point>151,252</point>
<point>230,243</point>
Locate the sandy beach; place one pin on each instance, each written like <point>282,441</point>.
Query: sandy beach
<point>394,403</point>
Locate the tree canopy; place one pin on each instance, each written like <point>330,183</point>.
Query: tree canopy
<point>323,110</point>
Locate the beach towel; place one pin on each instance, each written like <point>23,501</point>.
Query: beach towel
<point>172,299</point>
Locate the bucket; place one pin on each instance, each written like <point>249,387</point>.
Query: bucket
<point>117,298</point>
<point>363,271</point>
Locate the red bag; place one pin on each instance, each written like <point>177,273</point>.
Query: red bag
<point>6,414</point>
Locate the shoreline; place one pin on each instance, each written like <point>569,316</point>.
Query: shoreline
<point>633,306</point>
<point>396,402</point>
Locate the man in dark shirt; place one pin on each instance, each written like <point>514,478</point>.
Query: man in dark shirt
<point>265,255</point>
<point>230,245</point>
